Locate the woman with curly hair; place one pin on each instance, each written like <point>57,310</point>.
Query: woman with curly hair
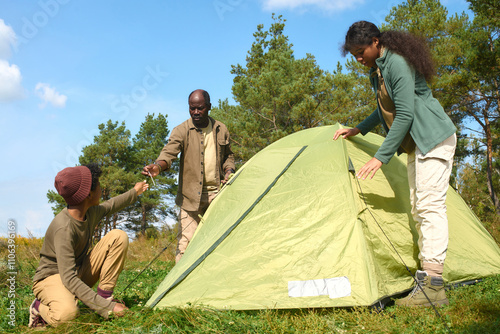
<point>415,122</point>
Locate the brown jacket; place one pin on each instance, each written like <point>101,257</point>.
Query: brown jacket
<point>187,140</point>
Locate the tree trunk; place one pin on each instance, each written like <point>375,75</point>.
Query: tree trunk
<point>143,220</point>
<point>489,165</point>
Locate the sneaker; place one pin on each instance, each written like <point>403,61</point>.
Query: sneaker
<point>36,319</point>
<point>429,291</point>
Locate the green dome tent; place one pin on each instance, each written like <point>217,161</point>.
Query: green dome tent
<point>294,228</point>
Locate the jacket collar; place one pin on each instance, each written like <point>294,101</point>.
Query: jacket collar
<point>192,126</point>
<point>380,61</point>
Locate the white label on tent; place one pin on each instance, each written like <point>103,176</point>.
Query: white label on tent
<point>336,287</point>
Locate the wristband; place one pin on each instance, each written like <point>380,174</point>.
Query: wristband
<point>159,167</point>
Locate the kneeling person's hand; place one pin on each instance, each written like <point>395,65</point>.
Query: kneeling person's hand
<point>119,310</point>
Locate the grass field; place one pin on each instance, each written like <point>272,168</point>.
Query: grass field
<point>472,309</point>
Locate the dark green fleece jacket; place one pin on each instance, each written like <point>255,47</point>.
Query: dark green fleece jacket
<point>416,109</point>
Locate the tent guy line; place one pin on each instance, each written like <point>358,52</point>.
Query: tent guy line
<point>417,283</point>
<point>154,259</point>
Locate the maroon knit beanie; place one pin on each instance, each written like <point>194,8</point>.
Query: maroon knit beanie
<point>73,184</point>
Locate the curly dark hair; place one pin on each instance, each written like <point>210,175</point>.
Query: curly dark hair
<point>96,173</point>
<point>414,49</point>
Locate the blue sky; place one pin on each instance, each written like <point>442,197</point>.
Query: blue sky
<point>68,65</point>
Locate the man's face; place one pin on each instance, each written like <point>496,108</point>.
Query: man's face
<point>198,110</point>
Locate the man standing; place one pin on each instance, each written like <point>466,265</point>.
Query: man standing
<point>206,161</point>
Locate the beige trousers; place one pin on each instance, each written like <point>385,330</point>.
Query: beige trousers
<point>429,177</point>
<point>188,223</point>
<point>104,264</point>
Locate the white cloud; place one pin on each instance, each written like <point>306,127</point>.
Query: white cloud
<point>326,5</point>
<point>49,95</point>
<point>10,82</point>
<point>7,40</point>
<point>10,75</point>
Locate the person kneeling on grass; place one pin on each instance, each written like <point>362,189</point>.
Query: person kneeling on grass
<point>68,270</point>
